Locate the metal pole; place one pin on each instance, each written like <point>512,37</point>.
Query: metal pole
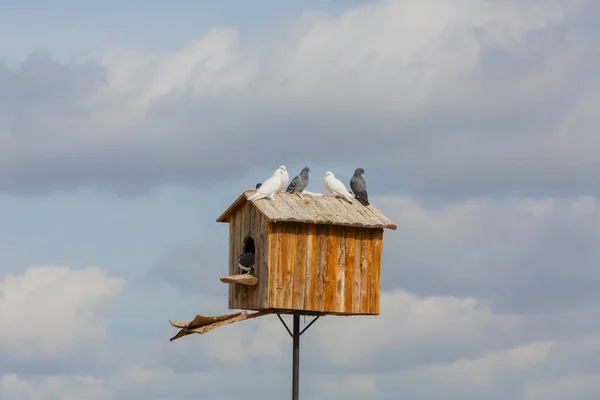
<point>296,358</point>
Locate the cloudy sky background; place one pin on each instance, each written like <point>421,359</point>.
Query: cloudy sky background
<point>126,129</point>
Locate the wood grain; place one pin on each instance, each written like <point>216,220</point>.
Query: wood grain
<point>307,267</point>
<point>356,272</point>
<point>348,269</point>
<point>306,208</point>
<point>364,271</point>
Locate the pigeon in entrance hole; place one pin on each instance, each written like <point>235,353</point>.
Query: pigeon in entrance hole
<point>359,187</point>
<point>336,187</point>
<point>246,262</point>
<point>300,182</point>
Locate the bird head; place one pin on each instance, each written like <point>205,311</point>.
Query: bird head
<point>305,170</point>
<point>328,174</point>
<point>359,171</point>
<point>283,168</point>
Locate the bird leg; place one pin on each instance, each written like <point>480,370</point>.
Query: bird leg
<point>272,196</point>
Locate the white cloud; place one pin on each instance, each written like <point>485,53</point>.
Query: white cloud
<point>461,98</point>
<point>416,78</point>
<point>51,309</point>
<point>483,247</point>
<point>410,324</point>
<point>12,387</point>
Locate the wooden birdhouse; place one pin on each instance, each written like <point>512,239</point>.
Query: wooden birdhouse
<point>313,254</point>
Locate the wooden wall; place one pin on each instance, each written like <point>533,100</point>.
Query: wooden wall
<point>325,268</point>
<point>248,221</point>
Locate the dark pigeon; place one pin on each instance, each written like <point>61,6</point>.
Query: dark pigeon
<point>258,185</point>
<point>246,262</point>
<point>300,182</point>
<point>359,187</point>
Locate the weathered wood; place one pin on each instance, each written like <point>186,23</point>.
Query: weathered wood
<point>310,263</point>
<point>201,324</point>
<point>300,268</point>
<point>309,267</point>
<point>232,261</point>
<point>364,283</point>
<point>325,209</point>
<point>263,259</point>
<point>320,268</point>
<point>248,222</point>
<point>348,268</point>
<point>332,267</point>
<point>290,248</point>
<point>356,272</point>
<point>377,250</point>
<point>243,279</point>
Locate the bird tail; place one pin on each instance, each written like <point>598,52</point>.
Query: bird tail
<point>347,197</point>
<point>362,199</point>
<point>256,196</point>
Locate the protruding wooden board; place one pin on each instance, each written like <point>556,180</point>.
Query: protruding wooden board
<point>243,279</point>
<point>201,324</point>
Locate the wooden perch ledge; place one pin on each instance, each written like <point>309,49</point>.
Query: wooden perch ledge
<point>244,279</point>
<point>202,324</point>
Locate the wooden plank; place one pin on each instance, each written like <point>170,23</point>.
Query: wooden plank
<point>312,209</point>
<point>300,264</point>
<point>253,230</point>
<point>310,266</point>
<point>321,265</point>
<point>289,255</point>
<point>348,269</point>
<point>375,292</point>
<point>242,279</point>
<point>352,211</point>
<point>330,276</point>
<point>275,266</point>
<point>232,261</point>
<point>206,325</point>
<point>356,272</point>
<point>364,271</point>
<point>287,211</point>
<point>242,290</point>
<point>302,212</point>
<point>236,220</point>
<point>340,282</point>
<point>329,212</point>
<point>264,229</point>
<point>305,205</point>
<point>281,277</point>
<point>372,270</point>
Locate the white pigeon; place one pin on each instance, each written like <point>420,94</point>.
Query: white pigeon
<point>337,187</point>
<point>285,178</point>
<point>269,187</point>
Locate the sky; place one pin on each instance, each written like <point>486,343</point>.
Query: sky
<point>126,129</point>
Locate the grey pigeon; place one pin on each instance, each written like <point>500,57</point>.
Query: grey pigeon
<point>246,262</point>
<point>359,187</point>
<point>258,185</point>
<point>300,182</point>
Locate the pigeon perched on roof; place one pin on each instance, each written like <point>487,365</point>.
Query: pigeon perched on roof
<point>258,185</point>
<point>300,182</point>
<point>246,262</point>
<point>336,187</point>
<point>285,178</point>
<point>269,187</point>
<point>359,187</point>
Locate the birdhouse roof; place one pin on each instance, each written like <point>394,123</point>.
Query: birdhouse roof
<point>315,209</point>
